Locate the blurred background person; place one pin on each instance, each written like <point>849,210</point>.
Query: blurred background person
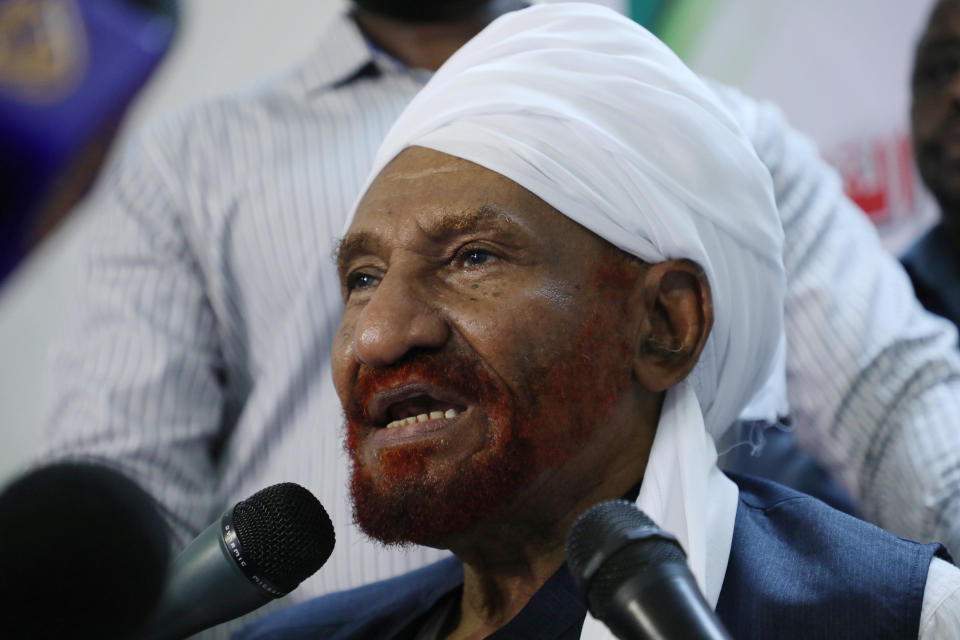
<point>934,261</point>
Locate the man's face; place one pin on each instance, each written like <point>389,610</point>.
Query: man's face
<point>935,113</point>
<point>484,356</point>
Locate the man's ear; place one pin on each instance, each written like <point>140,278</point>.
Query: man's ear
<point>676,317</point>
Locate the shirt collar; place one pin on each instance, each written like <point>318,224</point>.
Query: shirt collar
<point>933,261</point>
<point>345,54</point>
<point>555,612</point>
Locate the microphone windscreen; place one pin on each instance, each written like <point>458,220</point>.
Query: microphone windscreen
<point>83,552</point>
<point>286,531</point>
<point>602,550</point>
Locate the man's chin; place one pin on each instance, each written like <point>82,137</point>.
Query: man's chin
<point>433,507</point>
<point>407,515</point>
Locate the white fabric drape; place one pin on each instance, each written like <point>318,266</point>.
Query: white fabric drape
<point>597,117</point>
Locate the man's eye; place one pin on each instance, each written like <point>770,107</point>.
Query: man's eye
<point>360,280</point>
<point>475,257</point>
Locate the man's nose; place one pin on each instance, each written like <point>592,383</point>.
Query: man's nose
<point>397,319</point>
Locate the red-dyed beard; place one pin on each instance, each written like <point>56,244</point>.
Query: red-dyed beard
<point>534,428</point>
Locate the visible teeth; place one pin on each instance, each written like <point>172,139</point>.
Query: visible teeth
<point>423,417</point>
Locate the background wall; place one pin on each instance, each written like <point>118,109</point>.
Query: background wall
<point>838,69</point>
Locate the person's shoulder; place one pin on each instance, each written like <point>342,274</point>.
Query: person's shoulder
<point>259,105</point>
<point>802,521</point>
<point>209,119</point>
<point>799,565</point>
<point>744,109</point>
<point>768,129</point>
<point>759,493</point>
<point>219,135</point>
<point>364,612</point>
<point>931,243</point>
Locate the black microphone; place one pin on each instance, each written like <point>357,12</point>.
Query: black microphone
<point>83,552</point>
<point>258,550</point>
<point>634,577</point>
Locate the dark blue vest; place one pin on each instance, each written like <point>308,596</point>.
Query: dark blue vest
<point>798,569</point>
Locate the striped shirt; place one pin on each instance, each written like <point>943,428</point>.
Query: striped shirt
<point>197,356</point>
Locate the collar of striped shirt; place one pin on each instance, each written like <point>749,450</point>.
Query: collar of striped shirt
<point>345,54</point>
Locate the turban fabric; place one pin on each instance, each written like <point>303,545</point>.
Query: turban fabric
<point>598,118</point>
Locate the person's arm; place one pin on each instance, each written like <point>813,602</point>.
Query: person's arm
<point>138,379</point>
<point>873,379</point>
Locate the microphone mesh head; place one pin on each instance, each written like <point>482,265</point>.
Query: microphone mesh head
<point>286,531</point>
<point>603,530</point>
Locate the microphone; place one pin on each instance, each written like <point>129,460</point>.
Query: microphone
<point>634,577</point>
<point>258,550</point>
<point>83,552</point>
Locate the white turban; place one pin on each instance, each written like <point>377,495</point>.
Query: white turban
<point>597,117</point>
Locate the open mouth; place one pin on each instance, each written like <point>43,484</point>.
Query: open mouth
<point>419,408</point>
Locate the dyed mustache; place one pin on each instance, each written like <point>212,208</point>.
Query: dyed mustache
<point>456,372</point>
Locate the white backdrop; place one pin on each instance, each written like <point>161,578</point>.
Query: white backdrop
<point>841,72</point>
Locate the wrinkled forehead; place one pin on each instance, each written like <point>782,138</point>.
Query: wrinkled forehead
<point>435,190</point>
<point>431,203</point>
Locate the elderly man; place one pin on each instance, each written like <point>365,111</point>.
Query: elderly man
<point>196,358</point>
<point>562,284</point>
